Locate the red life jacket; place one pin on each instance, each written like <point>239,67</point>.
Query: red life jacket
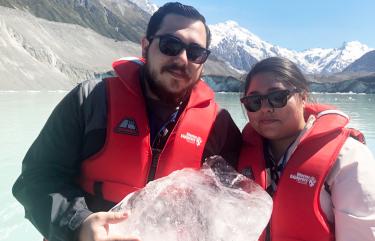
<point>123,164</point>
<point>297,214</point>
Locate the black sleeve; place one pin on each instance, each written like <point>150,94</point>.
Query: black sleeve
<point>225,139</point>
<point>47,187</point>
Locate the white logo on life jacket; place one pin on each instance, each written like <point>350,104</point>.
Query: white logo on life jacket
<point>303,179</point>
<point>193,139</point>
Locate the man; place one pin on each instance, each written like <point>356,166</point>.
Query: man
<point>109,137</point>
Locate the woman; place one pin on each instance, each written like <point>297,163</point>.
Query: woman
<point>322,179</point>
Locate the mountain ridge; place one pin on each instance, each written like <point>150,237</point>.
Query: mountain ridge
<point>42,54</point>
<point>242,49</point>
<point>231,43</point>
<point>241,56</point>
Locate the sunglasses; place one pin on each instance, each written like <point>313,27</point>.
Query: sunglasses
<point>172,46</point>
<point>276,99</point>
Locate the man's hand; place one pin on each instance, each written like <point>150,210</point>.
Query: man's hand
<point>96,227</point>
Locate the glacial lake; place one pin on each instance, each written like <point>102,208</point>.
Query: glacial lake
<point>24,113</point>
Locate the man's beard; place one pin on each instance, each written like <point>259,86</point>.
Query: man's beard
<point>160,91</point>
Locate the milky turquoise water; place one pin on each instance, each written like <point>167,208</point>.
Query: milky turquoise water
<point>23,114</point>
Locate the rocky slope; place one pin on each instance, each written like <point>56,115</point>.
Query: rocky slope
<point>338,83</point>
<point>362,84</point>
<point>364,64</point>
<point>40,54</point>
<point>117,19</point>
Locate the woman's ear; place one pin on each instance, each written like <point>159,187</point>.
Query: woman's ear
<point>145,44</point>
<point>304,98</point>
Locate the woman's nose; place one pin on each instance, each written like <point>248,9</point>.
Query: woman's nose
<point>265,105</point>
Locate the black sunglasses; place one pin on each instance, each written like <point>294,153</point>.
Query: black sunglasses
<point>172,46</point>
<point>276,99</point>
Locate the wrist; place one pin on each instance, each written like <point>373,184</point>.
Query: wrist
<point>76,222</point>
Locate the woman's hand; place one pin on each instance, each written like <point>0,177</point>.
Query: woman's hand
<point>96,226</point>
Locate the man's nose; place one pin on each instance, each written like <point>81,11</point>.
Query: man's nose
<point>181,58</point>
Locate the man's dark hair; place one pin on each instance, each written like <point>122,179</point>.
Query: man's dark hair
<point>178,9</point>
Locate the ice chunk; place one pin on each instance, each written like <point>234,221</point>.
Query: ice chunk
<point>212,204</point>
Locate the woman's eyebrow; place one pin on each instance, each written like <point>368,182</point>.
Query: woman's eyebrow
<point>269,90</point>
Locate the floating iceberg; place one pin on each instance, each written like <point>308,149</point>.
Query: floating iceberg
<point>214,203</point>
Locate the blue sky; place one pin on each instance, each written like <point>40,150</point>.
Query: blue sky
<point>296,24</point>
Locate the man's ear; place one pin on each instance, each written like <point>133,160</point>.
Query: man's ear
<point>145,44</point>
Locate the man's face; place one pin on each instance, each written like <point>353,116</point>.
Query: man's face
<point>173,76</point>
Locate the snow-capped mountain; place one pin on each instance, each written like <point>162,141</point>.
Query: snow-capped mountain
<point>344,56</point>
<point>146,5</point>
<point>241,49</point>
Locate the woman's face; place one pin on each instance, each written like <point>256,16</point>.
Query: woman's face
<point>276,123</point>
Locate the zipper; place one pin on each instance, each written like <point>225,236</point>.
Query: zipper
<point>163,135</point>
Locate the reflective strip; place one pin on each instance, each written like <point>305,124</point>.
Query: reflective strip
<point>132,59</point>
<point>337,112</point>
